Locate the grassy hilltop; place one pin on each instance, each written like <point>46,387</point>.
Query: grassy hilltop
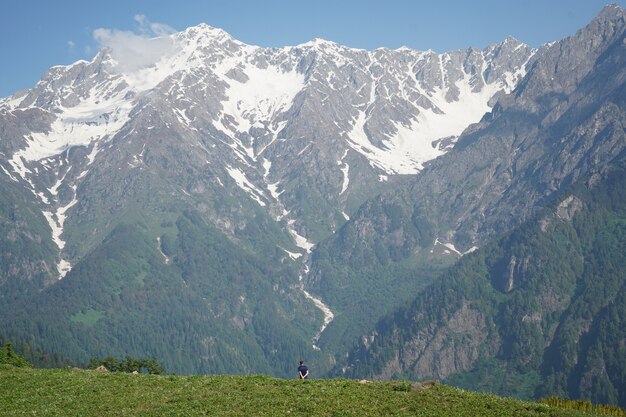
<point>72,392</point>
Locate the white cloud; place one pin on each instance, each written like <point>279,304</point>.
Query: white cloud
<point>132,50</point>
<point>149,28</point>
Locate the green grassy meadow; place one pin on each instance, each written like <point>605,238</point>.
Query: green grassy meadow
<point>75,392</point>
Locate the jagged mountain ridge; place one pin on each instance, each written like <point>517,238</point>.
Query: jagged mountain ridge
<point>573,89</point>
<point>564,120</point>
<point>315,122</point>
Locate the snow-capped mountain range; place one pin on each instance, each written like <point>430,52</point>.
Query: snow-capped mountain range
<point>269,121</point>
<point>227,207</point>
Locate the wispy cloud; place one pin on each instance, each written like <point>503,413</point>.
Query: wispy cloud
<point>148,28</point>
<point>139,49</point>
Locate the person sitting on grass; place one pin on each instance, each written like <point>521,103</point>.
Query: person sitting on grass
<point>303,371</point>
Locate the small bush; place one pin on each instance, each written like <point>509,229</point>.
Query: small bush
<point>129,365</point>
<point>401,386</point>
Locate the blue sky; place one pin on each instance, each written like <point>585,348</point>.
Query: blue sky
<point>35,35</point>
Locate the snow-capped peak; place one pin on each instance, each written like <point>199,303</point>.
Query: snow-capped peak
<point>203,34</point>
<point>318,43</point>
<point>511,39</point>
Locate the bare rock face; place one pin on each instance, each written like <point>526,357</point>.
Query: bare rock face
<point>568,208</point>
<point>440,352</point>
<point>455,347</point>
<point>516,272</point>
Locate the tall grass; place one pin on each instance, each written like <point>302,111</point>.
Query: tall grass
<point>583,405</point>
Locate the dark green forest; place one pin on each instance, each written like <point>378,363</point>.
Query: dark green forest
<point>552,294</point>
<point>122,299</point>
<point>364,279</point>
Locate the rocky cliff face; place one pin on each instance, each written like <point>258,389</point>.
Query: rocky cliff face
<point>528,315</point>
<point>443,351</point>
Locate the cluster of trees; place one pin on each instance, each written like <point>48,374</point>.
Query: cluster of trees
<point>35,357</point>
<point>9,357</point>
<point>129,365</point>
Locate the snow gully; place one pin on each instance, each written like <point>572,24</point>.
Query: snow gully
<point>328,314</point>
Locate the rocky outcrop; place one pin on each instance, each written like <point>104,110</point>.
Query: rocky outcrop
<point>515,272</point>
<point>442,351</point>
<point>568,208</point>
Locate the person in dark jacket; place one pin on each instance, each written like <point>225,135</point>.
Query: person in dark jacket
<point>303,371</point>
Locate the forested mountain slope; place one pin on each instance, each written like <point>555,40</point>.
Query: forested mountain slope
<point>541,311</point>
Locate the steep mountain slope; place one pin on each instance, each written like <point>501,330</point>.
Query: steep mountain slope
<point>539,312</point>
<point>26,255</point>
<point>565,120</point>
<point>164,203</point>
<point>281,124</point>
